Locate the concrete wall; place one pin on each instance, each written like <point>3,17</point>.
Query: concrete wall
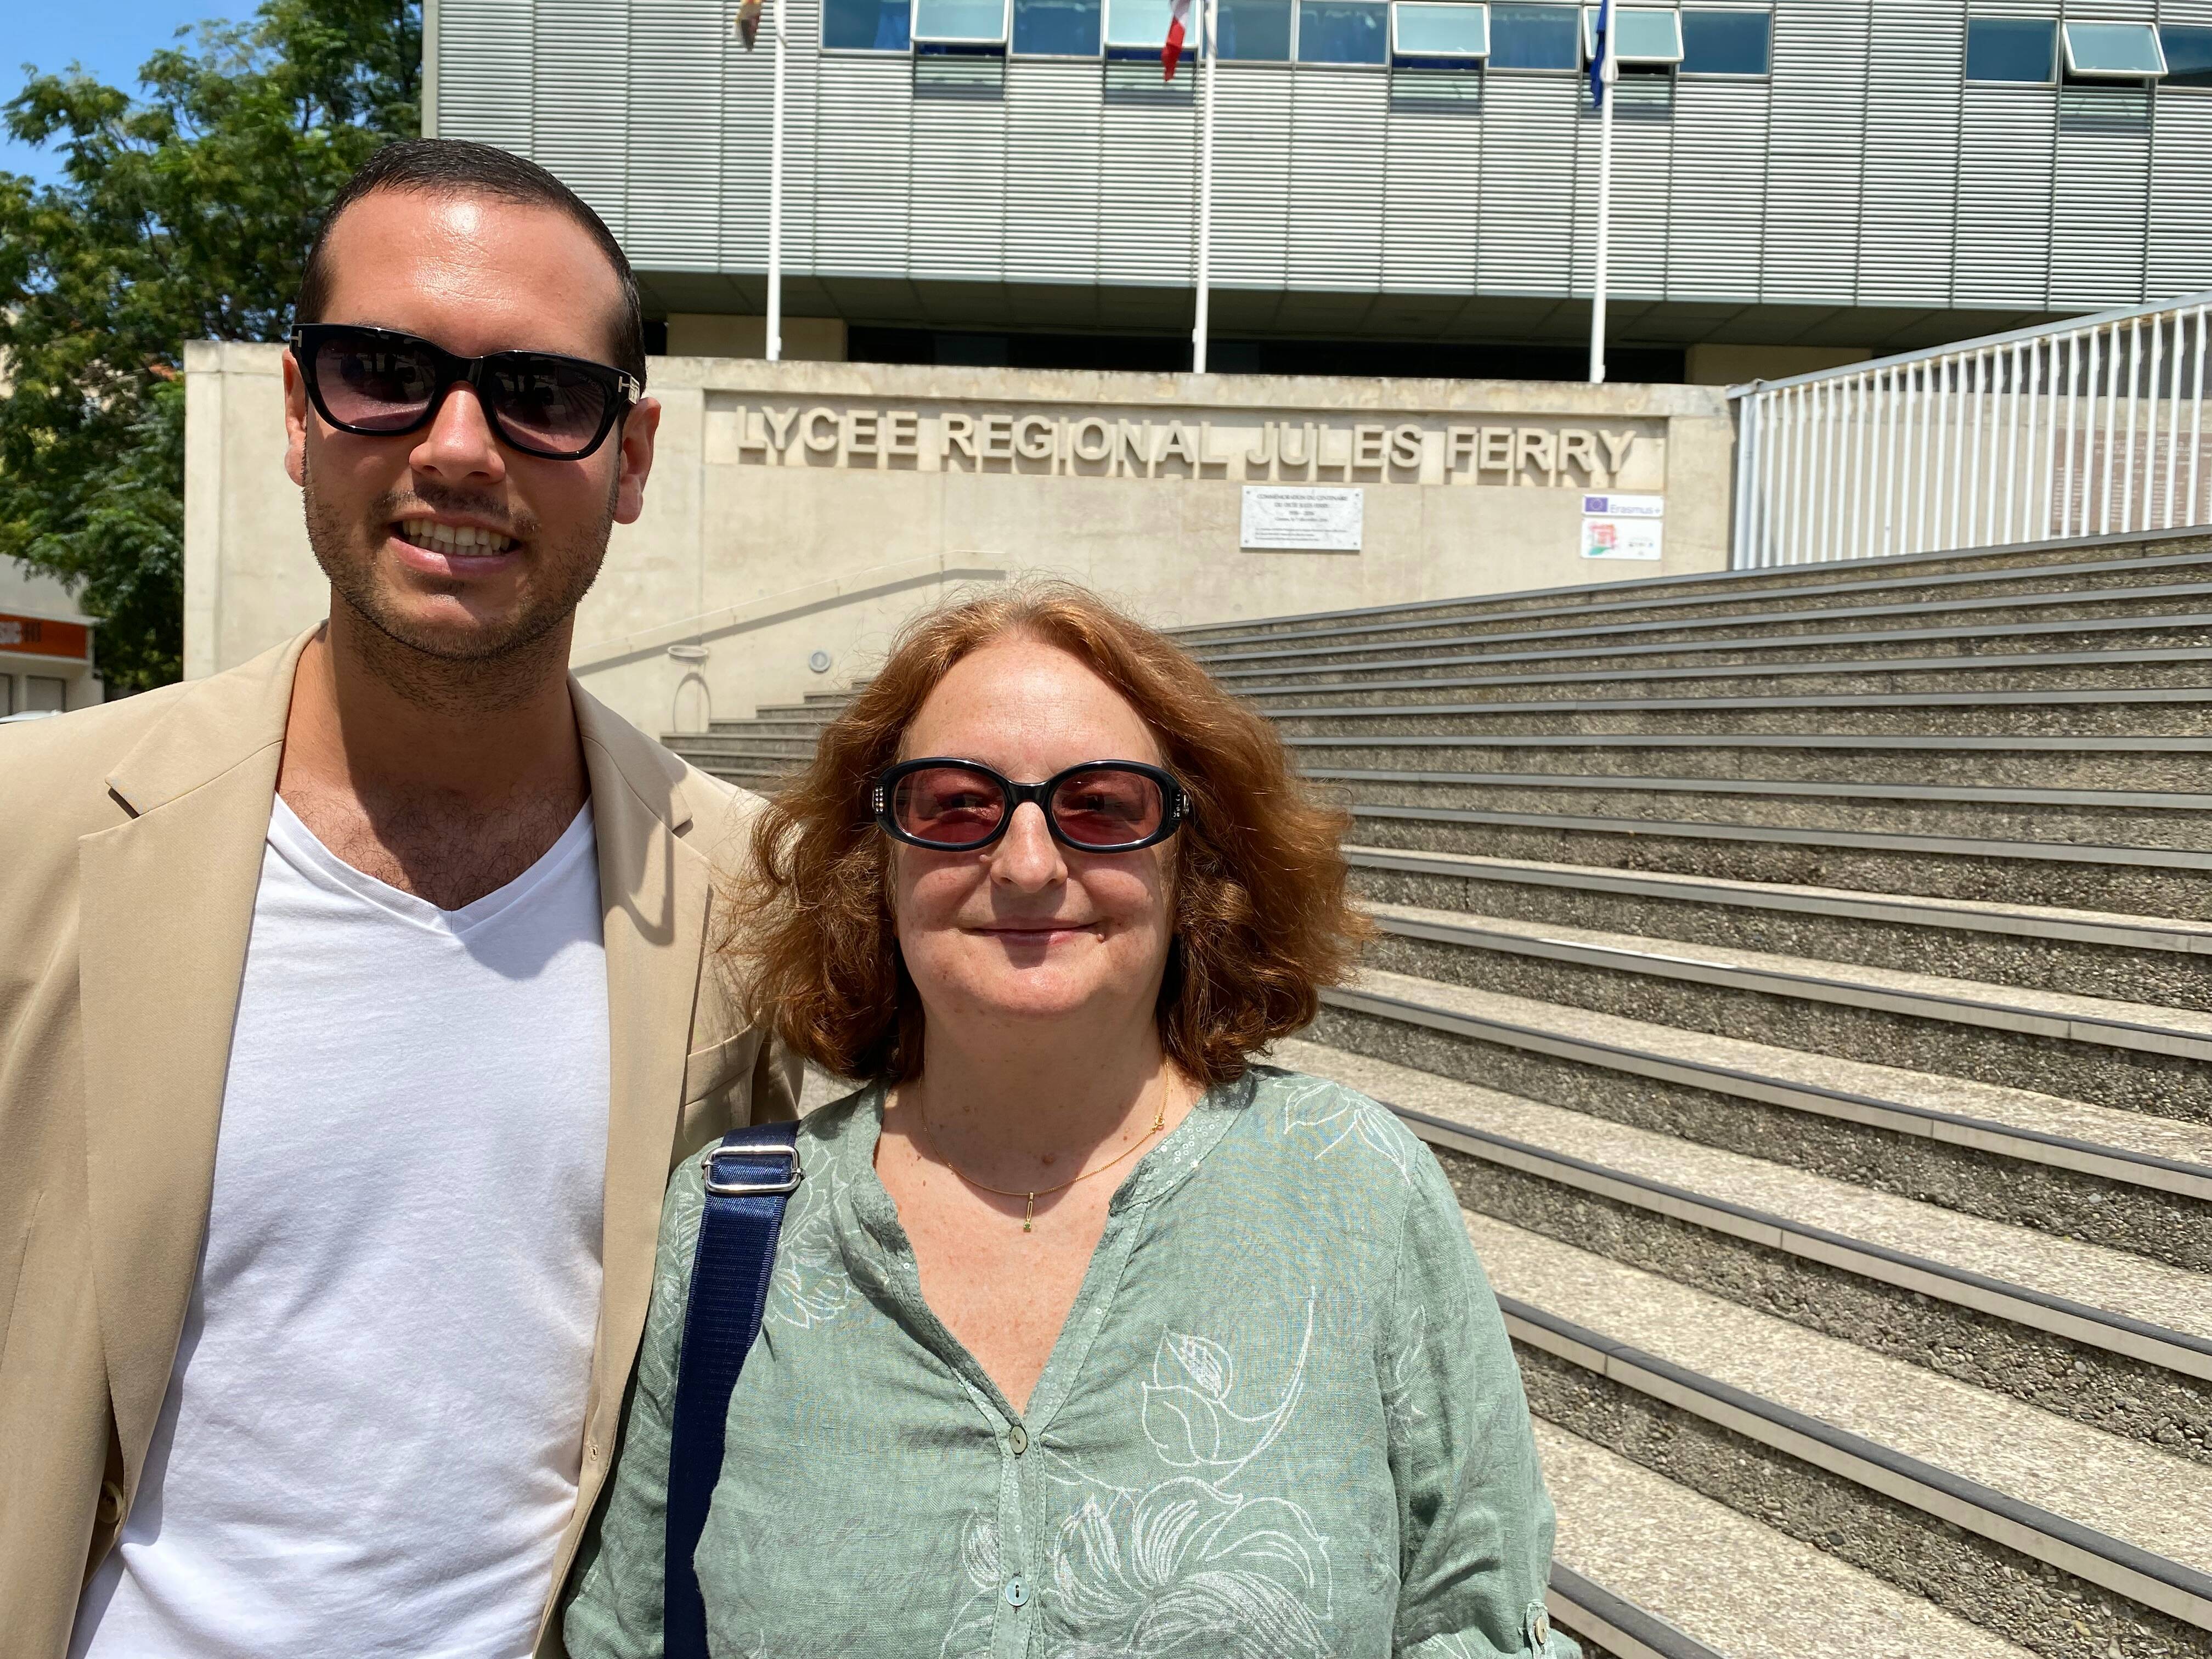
<point>799,508</point>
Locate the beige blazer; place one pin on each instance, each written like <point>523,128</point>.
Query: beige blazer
<point>131,847</point>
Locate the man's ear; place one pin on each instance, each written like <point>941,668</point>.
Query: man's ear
<point>295,422</point>
<point>638,427</point>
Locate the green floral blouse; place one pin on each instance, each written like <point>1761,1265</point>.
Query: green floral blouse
<point>1282,1421</point>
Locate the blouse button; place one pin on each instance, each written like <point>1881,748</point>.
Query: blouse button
<point>1018,1439</point>
<point>1018,1591</point>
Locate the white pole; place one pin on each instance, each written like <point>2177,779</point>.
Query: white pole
<point>1208,67</point>
<point>1608,72</point>
<point>776,203</point>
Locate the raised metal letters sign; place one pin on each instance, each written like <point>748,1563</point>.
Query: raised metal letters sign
<point>1229,446</point>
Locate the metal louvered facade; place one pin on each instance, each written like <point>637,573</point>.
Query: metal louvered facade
<point>1862,192</point>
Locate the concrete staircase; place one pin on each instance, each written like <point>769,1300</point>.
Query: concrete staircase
<point>1805,977</point>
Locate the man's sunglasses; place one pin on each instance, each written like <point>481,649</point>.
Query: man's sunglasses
<point>377,383</point>
<point>960,806</point>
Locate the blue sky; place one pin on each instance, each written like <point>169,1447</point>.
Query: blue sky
<point>110,38</point>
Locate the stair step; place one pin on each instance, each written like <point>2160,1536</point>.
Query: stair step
<point>2096,1299</point>
<point>2131,558</point>
<point>2171,713</point>
<point>2132,1056</point>
<point>2148,608</point>
<point>2139,880</point>
<point>2122,818</point>
<point>2129,1181</point>
<point>2183,668</point>
<point>765,726</point>
<point>2138,769</point>
<point>2125,957</point>
<point>1607,1624</point>
<point>1600,649</point>
<point>2021,591</point>
<point>1908,1451</point>
<point>751,743</point>
<point>1730,1582</point>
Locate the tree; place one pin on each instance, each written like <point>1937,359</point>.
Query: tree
<point>184,214</point>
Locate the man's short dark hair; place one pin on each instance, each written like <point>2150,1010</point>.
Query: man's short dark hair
<point>455,166</point>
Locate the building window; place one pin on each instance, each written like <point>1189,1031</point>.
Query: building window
<point>2112,51</point>
<point>959,24</point>
<point>1726,42</point>
<point>867,25</point>
<point>1138,28</point>
<point>1255,31</point>
<point>45,695</point>
<point>2019,49</point>
<point>1424,31</point>
<point>1647,36</point>
<point>1343,32</point>
<point>1057,29</point>
<point>2187,55</point>
<point>1534,38</point>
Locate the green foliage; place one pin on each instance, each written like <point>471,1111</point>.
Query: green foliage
<point>182,215</point>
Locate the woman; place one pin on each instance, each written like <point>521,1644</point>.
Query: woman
<point>1089,1336</point>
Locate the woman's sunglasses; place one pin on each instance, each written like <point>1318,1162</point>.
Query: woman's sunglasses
<point>960,806</point>
<point>377,383</point>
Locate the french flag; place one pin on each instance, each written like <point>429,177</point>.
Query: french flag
<point>1178,15</point>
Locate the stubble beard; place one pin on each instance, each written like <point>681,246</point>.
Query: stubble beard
<point>496,666</point>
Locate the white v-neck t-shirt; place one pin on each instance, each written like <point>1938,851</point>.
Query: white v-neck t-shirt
<point>371,1440</point>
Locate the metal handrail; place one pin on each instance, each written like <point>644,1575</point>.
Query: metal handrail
<point>874,581</point>
<point>2067,428</point>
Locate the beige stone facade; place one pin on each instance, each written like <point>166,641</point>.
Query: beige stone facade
<point>799,511</point>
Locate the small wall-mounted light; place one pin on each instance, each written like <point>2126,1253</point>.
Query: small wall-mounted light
<point>819,662</point>
<point>687,653</point>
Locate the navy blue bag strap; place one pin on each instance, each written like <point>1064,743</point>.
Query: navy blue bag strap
<point>750,1176</point>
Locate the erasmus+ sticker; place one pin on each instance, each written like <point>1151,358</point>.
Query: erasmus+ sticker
<point>1302,520</point>
<point>1624,506</point>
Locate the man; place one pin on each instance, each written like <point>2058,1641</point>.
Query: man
<point>355,1007</point>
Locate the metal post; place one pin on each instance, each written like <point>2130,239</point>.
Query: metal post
<point>2049,398</point>
<point>2111,432</point>
<point>1861,491</point>
<point>1953,370</point>
<point>1976,392</point>
<point>1747,480</point>
<point>1789,498</point>
<point>1608,73</point>
<point>2173,421</point>
<point>2134,383</point>
<point>1890,412</point>
<point>2073,409</point>
<point>1916,459</point>
<point>775,203</point>
<point>2012,445</point>
<point>2195,417</point>
<point>1209,67</point>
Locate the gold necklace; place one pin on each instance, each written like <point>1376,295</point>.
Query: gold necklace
<point>1029,1211</point>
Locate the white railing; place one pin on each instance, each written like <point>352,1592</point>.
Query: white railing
<point>2090,427</point>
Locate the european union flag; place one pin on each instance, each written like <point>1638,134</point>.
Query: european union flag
<point>1600,41</point>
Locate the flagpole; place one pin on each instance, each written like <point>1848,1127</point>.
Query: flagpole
<point>1608,72</point>
<point>776,203</point>
<point>1209,62</point>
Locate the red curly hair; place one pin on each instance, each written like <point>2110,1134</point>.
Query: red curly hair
<point>1261,918</point>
